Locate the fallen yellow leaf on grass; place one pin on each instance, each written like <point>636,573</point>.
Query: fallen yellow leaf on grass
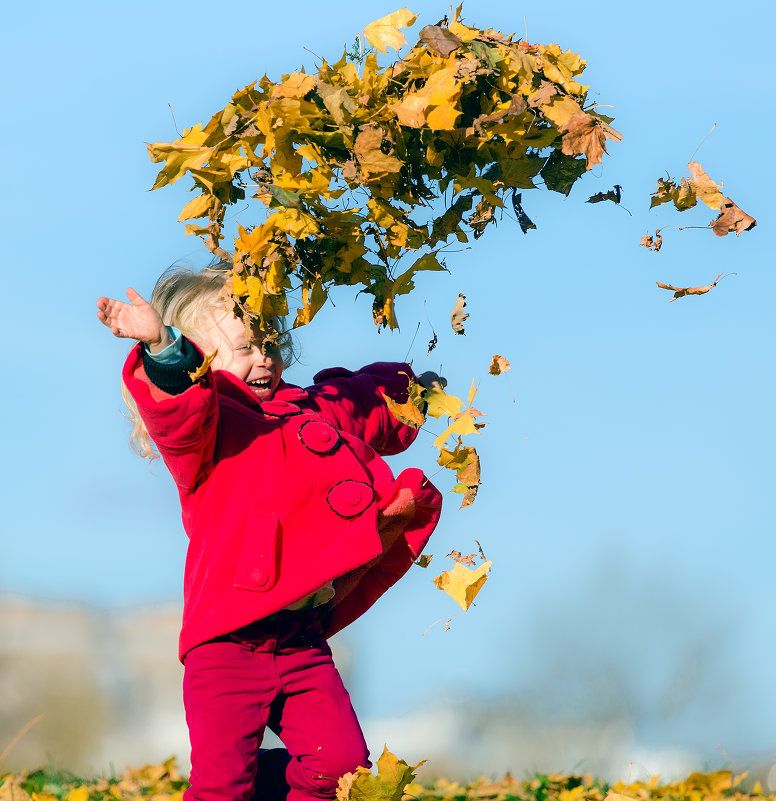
<point>393,775</point>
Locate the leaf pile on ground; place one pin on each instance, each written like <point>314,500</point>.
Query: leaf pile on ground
<point>393,780</point>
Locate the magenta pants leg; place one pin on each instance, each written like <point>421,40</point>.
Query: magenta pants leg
<point>277,673</point>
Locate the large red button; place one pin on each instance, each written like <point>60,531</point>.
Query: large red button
<point>350,498</point>
<point>279,408</point>
<point>320,438</point>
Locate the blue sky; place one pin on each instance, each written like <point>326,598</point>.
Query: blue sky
<point>627,497</point>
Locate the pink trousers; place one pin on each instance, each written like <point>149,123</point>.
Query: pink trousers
<point>275,673</point>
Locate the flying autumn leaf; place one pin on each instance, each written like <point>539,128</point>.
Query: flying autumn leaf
<point>441,403</point>
<point>424,560</point>
<point>615,195</point>
<point>706,190</point>
<point>680,292</point>
<point>368,150</point>
<point>462,584</point>
<point>384,32</point>
<point>701,187</point>
<point>466,463</point>
<point>499,365</point>
<point>463,422</point>
<point>439,40</point>
<point>586,135</point>
<point>195,375</point>
<point>652,244</point>
<point>409,412</point>
<point>732,218</point>
<point>524,221</point>
<point>458,317</point>
<point>393,775</point>
<point>458,557</point>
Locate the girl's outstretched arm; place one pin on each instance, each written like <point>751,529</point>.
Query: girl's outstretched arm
<point>137,319</point>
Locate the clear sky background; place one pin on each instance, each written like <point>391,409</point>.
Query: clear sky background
<point>627,499</point>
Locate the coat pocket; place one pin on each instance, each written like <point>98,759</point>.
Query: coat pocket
<point>257,565</point>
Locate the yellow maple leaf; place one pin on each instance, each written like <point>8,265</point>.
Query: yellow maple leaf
<point>371,158</point>
<point>466,463</point>
<point>407,412</point>
<point>560,109</point>
<point>195,375</point>
<point>463,422</point>
<point>442,403</point>
<point>384,32</point>
<point>443,117</point>
<point>199,207</point>
<point>296,85</point>
<point>337,101</point>
<point>185,154</point>
<point>706,189</point>
<point>313,299</point>
<point>462,583</point>
<point>463,32</point>
<point>411,110</point>
<point>393,776</point>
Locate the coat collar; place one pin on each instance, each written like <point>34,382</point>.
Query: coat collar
<point>282,404</point>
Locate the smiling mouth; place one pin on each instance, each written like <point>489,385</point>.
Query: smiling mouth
<point>261,384</point>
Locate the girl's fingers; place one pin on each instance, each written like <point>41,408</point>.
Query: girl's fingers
<point>136,298</point>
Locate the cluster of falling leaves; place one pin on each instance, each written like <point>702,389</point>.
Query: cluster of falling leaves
<point>685,195</point>
<point>393,779</point>
<point>356,167</point>
<point>464,580</point>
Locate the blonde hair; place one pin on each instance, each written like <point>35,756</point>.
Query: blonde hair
<point>187,300</point>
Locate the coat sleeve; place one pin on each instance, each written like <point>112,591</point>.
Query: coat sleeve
<point>182,423</point>
<point>405,529</point>
<point>354,402</point>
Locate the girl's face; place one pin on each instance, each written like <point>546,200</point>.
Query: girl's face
<point>243,358</point>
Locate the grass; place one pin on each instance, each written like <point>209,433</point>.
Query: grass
<point>163,782</point>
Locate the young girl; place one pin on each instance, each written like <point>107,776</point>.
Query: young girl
<point>296,527</point>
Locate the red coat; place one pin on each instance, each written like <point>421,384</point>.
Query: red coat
<point>281,497</point>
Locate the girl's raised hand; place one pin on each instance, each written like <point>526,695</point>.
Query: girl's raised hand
<point>137,319</point>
